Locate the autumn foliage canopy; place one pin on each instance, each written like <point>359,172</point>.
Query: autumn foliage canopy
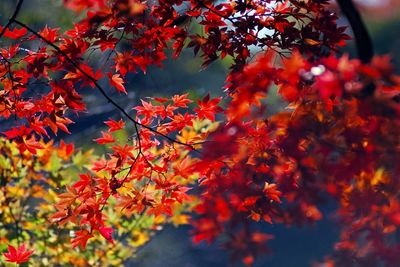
<point>222,164</point>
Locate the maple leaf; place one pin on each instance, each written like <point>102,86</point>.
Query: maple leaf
<point>181,100</point>
<point>271,191</point>
<point>106,233</point>
<point>208,108</point>
<point>107,138</point>
<point>114,125</point>
<point>15,33</point>
<point>81,238</point>
<point>184,168</point>
<point>66,199</point>
<point>31,145</point>
<point>65,150</point>
<point>17,131</point>
<point>19,255</point>
<point>117,82</point>
<point>85,180</point>
<point>50,34</point>
<point>147,109</point>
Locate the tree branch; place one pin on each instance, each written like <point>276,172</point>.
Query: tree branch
<point>362,38</point>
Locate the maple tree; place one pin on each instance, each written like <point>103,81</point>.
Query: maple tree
<point>223,167</point>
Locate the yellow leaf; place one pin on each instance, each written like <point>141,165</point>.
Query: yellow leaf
<point>138,238</point>
<point>180,219</point>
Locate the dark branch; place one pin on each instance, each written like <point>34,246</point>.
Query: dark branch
<point>362,39</point>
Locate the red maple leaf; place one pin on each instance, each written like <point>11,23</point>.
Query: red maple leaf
<point>117,82</point>
<point>208,108</point>
<point>107,138</point>
<point>14,33</point>
<point>19,255</point>
<point>106,232</point>
<point>81,238</point>
<point>181,100</point>
<point>114,125</point>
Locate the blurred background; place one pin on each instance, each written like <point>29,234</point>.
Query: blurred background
<point>172,246</point>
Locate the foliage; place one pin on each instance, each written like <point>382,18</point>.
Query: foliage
<point>31,185</point>
<point>337,139</point>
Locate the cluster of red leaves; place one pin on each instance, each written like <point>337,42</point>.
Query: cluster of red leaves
<point>145,176</point>
<point>232,27</point>
<point>229,29</point>
<point>334,144</point>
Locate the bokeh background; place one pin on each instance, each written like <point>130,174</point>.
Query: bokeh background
<point>172,246</point>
